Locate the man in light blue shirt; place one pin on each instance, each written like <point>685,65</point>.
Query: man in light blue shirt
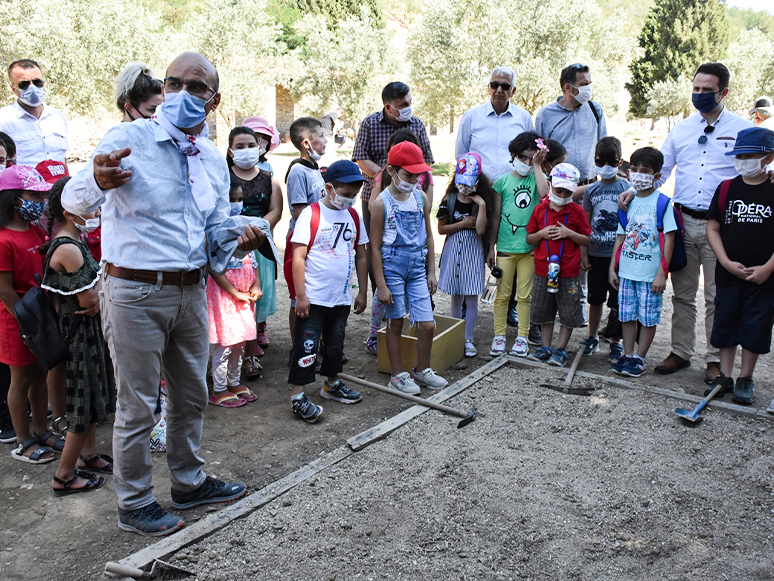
<point>165,189</point>
<point>489,128</point>
<point>575,120</point>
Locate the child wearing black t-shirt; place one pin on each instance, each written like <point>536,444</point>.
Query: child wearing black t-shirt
<point>740,230</point>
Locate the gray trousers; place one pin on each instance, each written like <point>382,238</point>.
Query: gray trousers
<point>146,325</point>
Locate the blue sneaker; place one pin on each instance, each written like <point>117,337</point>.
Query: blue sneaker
<point>558,357</point>
<point>616,352</point>
<point>211,491</point>
<point>634,367</point>
<point>541,354</point>
<point>618,366</point>
<point>591,345</point>
<point>148,521</point>
<point>339,391</point>
<point>307,410</point>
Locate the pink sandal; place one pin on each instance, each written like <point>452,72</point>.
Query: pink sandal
<point>244,393</point>
<point>227,399</point>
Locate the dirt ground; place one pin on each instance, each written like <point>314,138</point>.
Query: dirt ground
<point>540,486</point>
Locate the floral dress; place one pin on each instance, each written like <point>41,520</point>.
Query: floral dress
<point>91,390</point>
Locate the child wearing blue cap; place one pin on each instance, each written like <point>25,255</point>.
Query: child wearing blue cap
<point>740,230</point>
<point>328,248</point>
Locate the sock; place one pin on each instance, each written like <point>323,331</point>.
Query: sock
<point>471,301</point>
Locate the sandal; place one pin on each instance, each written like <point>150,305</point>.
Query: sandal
<point>89,463</point>
<point>56,426</point>
<point>227,399</point>
<point>243,392</point>
<point>57,446</point>
<point>37,457</point>
<point>470,349</point>
<point>252,368</point>
<point>94,482</point>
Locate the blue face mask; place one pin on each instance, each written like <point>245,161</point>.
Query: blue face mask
<point>236,208</point>
<point>30,210</point>
<point>184,110</point>
<point>704,102</point>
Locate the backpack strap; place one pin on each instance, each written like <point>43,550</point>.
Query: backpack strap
<point>356,219</point>
<point>723,198</point>
<point>313,225</point>
<point>594,110</point>
<point>662,205</point>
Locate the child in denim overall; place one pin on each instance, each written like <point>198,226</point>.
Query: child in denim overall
<point>403,260</point>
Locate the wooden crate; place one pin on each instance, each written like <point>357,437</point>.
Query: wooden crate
<point>448,345</point>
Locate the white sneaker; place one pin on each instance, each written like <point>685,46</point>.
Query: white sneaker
<point>498,345</point>
<point>470,349</point>
<point>770,409</point>
<point>403,382</point>
<point>429,379</point>
<point>520,347</point>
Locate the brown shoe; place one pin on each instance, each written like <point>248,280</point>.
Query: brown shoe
<point>671,364</point>
<point>713,370</point>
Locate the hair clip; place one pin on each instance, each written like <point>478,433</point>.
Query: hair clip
<point>540,144</point>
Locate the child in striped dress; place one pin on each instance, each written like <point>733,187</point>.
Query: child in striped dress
<point>464,217</point>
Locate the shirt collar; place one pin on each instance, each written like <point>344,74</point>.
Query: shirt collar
<point>21,111</point>
<point>717,121</point>
<point>384,119</point>
<point>490,109</point>
<point>159,133</point>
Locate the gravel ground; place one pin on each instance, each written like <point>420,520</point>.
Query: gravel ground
<point>540,486</point>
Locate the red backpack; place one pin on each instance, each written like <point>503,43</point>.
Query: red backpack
<point>315,224</point>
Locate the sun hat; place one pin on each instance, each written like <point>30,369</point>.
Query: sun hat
<point>79,201</point>
<point>565,175</point>
<point>261,125</point>
<point>23,177</point>
<point>753,140</point>
<point>468,169</point>
<point>408,156</point>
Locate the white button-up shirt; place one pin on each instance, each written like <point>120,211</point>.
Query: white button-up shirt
<point>488,134</point>
<point>36,139</point>
<point>152,222</point>
<point>700,167</point>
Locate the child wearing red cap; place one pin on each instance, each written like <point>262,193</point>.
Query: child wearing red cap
<point>403,258</point>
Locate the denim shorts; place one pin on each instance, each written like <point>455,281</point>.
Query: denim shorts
<point>638,302</point>
<point>405,273</point>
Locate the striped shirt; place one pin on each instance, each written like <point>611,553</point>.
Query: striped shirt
<point>371,143</point>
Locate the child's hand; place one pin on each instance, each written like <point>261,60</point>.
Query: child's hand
<point>302,307</point>
<point>384,295</point>
<point>491,259</point>
<point>539,158</point>
<point>432,284</point>
<point>547,232</point>
<point>361,300</point>
<point>255,292</point>
<point>758,274</point>
<point>585,263</point>
<point>613,279</point>
<point>659,283</point>
<point>738,269</point>
<point>467,223</point>
<point>561,231</point>
<point>242,296</point>
<point>478,200</point>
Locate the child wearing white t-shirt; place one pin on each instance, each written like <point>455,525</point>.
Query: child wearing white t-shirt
<point>328,248</point>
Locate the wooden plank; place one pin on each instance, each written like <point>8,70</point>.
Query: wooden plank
<point>217,520</point>
<point>388,426</point>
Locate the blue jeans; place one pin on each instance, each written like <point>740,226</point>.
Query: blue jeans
<point>405,273</point>
<point>328,323</point>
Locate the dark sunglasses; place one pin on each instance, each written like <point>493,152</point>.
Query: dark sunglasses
<point>576,66</point>
<point>494,85</point>
<point>24,85</point>
<point>707,130</point>
<point>195,88</point>
<point>603,162</point>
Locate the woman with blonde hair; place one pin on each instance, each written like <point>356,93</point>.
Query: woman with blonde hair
<point>138,92</point>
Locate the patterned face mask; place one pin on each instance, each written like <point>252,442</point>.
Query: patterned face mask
<point>31,210</point>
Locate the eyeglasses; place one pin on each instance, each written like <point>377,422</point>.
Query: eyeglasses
<point>576,66</point>
<point>599,162</point>
<point>195,88</point>
<point>494,85</point>
<point>24,85</point>
<point>707,130</point>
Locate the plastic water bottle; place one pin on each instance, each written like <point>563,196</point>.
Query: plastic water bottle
<point>553,274</point>
<point>490,292</point>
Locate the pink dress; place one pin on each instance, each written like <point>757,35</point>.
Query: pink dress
<point>232,321</point>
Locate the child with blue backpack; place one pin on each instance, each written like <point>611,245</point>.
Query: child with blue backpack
<point>643,249</point>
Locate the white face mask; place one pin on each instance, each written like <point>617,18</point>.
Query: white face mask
<point>640,181</point>
<point>558,200</point>
<point>466,190</point>
<point>522,168</point>
<point>342,203</point>
<point>748,168</point>
<point>236,208</point>
<point>607,172</point>
<point>584,94</point>
<point>403,187</point>
<point>246,158</point>
<point>90,225</point>
<point>33,96</point>
<point>405,114</point>
<point>313,154</point>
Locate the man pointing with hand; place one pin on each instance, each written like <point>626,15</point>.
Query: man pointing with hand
<point>165,190</point>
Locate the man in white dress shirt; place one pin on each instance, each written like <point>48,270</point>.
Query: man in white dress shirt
<point>489,128</point>
<point>696,149</point>
<point>39,130</point>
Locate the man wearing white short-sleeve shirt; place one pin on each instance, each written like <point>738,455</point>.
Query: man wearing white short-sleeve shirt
<point>38,130</point>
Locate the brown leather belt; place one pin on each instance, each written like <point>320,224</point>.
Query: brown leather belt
<point>179,278</point>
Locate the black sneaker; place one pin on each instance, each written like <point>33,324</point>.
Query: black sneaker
<point>535,337</point>
<point>308,411</point>
<point>8,436</point>
<point>211,491</point>
<point>744,390</point>
<point>727,384</point>
<point>149,521</point>
<point>339,391</point>
<point>513,317</point>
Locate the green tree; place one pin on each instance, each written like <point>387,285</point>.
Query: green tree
<point>745,59</point>
<point>336,11</point>
<point>669,100</point>
<point>677,37</point>
<point>81,46</point>
<point>455,46</point>
<point>349,65</point>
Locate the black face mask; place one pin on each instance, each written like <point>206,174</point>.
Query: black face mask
<point>135,118</point>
